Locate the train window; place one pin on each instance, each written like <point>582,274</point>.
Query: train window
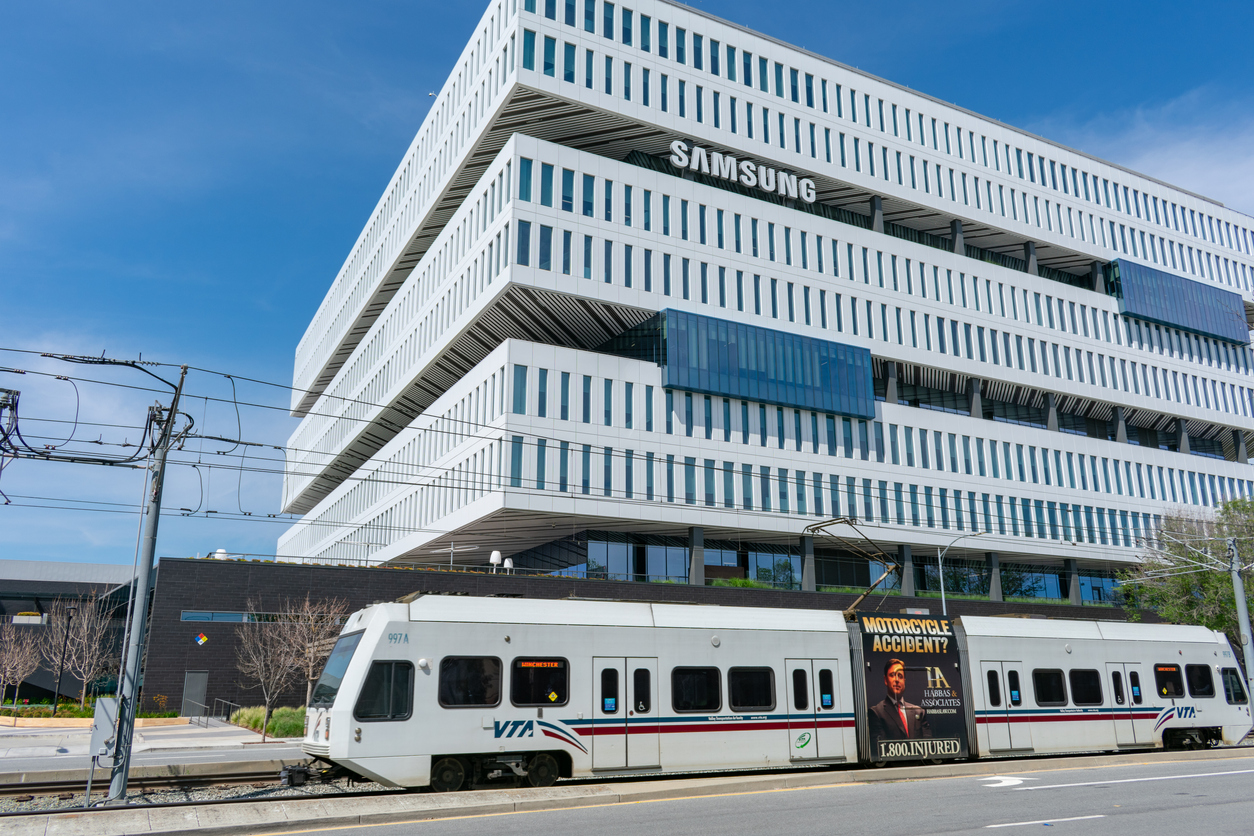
<point>800,690</point>
<point>333,672</point>
<point>609,691</point>
<point>695,689</point>
<point>1168,681</point>
<point>470,681</point>
<point>387,693</point>
<point>1134,682</point>
<point>1234,691</point>
<point>543,682</point>
<point>1086,687</point>
<point>1050,687</point>
<point>751,689</point>
<point>827,690</point>
<point>1116,683</point>
<point>642,690</point>
<point>1012,685</point>
<point>994,689</point>
<point>1201,683</point>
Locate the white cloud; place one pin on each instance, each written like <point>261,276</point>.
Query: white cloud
<point>1199,141</point>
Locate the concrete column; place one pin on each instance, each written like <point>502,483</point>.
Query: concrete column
<point>807,564</point>
<point>1051,417</point>
<point>907,570</point>
<point>994,576</point>
<point>1073,580</point>
<point>955,233</point>
<point>1121,426</point>
<point>1182,431</point>
<point>890,391</point>
<point>1238,443</point>
<point>696,555</point>
<point>1029,258</point>
<point>974,386</point>
<point>1097,277</point>
<point>877,213</point>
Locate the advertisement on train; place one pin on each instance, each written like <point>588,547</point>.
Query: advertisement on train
<point>915,701</point>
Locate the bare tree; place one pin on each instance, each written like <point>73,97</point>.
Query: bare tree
<point>312,627</point>
<point>89,651</point>
<point>20,657</point>
<point>265,658</point>
<point>56,640</point>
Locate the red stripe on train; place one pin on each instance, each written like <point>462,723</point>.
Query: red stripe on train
<point>686,728</point>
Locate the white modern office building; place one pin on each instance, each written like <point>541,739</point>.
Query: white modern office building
<point>650,293</point>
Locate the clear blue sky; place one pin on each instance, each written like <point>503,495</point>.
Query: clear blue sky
<point>184,180</point>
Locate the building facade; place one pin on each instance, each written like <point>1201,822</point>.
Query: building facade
<point>650,293</point>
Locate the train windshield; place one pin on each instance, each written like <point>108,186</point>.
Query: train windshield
<point>333,674</point>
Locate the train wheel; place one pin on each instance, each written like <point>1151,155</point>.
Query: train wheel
<point>542,771</point>
<point>448,775</point>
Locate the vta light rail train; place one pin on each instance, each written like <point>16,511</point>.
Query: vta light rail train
<point>459,692</point>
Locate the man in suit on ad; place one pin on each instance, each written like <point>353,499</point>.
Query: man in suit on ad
<point>893,718</point>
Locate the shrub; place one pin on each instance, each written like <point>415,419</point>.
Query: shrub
<point>284,722</point>
<point>249,718</point>
<point>744,583</point>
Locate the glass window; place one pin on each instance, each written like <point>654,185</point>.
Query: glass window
<point>1234,689</point>
<point>539,682</point>
<point>470,681</point>
<point>1168,681</point>
<point>1012,685</point>
<point>695,689</point>
<point>1086,687</point>
<point>994,689</point>
<point>751,689</point>
<point>827,689</point>
<point>1050,687</point>
<point>609,691</point>
<point>1116,682</point>
<point>333,673</point>
<point>387,693</point>
<point>642,690</point>
<point>1134,682</point>
<point>800,690</point>
<point>1201,683</point>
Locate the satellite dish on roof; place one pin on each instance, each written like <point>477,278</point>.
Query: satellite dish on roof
<point>220,554</point>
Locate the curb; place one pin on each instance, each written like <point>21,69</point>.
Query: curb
<point>173,770</point>
<point>327,812</point>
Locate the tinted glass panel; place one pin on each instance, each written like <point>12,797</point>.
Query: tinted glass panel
<point>800,690</point>
<point>1168,681</point>
<point>1049,687</point>
<point>542,682</point>
<point>1116,682</point>
<point>609,691</point>
<point>994,689</point>
<point>1201,683</point>
<point>751,689</point>
<point>1086,688</point>
<point>333,673</point>
<point>470,680</point>
<point>642,690</point>
<point>695,689</point>
<point>1234,689</point>
<point>387,693</point>
<point>1012,685</point>
<point>1172,300</point>
<point>1134,682</point>
<point>827,691</point>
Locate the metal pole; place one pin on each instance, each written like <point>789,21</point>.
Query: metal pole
<point>139,613</point>
<point>1243,612</point>
<point>69,619</point>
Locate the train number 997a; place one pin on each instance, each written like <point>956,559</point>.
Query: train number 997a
<point>398,638</point>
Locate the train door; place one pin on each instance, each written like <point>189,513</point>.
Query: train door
<point>813,701</point>
<point>1003,697</point>
<point>1121,698</point>
<point>624,728</point>
<point>642,713</point>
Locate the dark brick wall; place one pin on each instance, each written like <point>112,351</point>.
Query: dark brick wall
<point>187,584</point>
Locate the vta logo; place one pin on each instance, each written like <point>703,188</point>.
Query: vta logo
<point>513,728</point>
<point>803,741</point>
<point>1185,712</point>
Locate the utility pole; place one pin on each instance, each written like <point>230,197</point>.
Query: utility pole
<point>139,613</point>
<point>1243,612</point>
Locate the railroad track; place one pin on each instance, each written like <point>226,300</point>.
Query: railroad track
<point>269,778</point>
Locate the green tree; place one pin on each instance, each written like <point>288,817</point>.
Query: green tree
<point>1183,575</point>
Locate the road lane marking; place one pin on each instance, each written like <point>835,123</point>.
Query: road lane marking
<point>1005,781</point>
<point>1041,821</point>
<point>1138,780</point>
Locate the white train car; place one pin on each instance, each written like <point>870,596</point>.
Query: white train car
<point>454,692</point>
<point>1048,686</point>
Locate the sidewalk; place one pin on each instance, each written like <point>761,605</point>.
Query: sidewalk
<point>46,743</point>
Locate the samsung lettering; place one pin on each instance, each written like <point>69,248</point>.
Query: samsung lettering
<point>745,172</point>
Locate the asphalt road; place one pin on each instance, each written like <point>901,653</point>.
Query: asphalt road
<point>1162,798</point>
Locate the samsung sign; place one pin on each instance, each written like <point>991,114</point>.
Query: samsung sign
<point>746,172</point>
